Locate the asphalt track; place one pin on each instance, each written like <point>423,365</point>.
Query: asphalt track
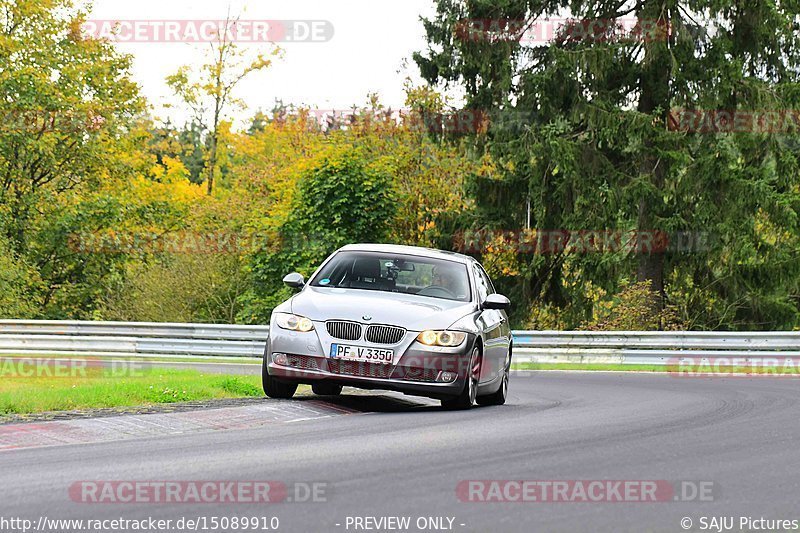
<point>384,454</point>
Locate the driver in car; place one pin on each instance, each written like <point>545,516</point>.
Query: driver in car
<point>442,277</point>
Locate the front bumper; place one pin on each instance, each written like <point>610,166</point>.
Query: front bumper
<point>417,369</point>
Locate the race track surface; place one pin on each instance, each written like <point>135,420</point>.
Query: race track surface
<point>384,454</point>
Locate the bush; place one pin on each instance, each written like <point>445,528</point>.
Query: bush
<point>179,288</point>
<point>632,309</point>
<point>20,286</point>
<point>342,199</point>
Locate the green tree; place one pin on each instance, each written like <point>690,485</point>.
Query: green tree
<point>580,134</point>
<point>68,108</point>
<point>65,100</point>
<point>341,199</point>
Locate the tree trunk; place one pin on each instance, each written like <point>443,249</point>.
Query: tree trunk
<point>212,151</point>
<point>212,163</point>
<point>654,85</point>
<point>212,156</point>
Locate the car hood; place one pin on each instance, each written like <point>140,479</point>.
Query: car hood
<point>415,313</point>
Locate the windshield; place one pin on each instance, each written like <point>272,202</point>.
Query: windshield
<point>407,274</point>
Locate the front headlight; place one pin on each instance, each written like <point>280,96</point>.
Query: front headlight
<point>441,338</point>
<point>293,322</point>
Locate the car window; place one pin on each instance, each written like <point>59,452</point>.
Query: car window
<point>487,279</point>
<point>409,274</point>
<point>484,284</point>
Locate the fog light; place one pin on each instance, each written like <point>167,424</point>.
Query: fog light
<point>280,359</point>
<point>447,377</point>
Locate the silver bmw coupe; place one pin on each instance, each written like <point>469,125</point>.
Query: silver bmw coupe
<point>415,320</point>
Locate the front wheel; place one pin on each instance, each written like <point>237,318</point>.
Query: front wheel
<point>274,388</point>
<point>466,399</point>
<point>499,397</point>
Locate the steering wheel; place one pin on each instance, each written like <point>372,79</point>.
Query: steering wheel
<point>437,289</point>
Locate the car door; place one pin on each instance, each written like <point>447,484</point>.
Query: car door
<point>494,324</point>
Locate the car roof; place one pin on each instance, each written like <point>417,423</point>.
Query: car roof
<point>408,250</point>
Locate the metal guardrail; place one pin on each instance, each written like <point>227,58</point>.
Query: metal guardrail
<point>130,339</point>
<point>652,347</point>
<point>144,339</point>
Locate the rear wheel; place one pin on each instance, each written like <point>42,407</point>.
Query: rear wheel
<point>326,389</point>
<point>274,388</point>
<point>466,399</point>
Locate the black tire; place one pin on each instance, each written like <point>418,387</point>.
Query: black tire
<point>326,389</point>
<point>499,397</point>
<point>467,398</point>
<point>273,388</point>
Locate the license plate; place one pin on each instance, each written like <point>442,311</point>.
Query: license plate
<point>360,353</point>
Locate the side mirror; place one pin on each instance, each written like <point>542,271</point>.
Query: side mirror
<point>295,280</point>
<point>496,301</point>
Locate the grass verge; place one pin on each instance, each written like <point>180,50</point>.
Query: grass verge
<point>590,366</point>
<point>95,388</point>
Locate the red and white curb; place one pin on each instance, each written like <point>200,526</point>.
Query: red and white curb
<point>124,427</point>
